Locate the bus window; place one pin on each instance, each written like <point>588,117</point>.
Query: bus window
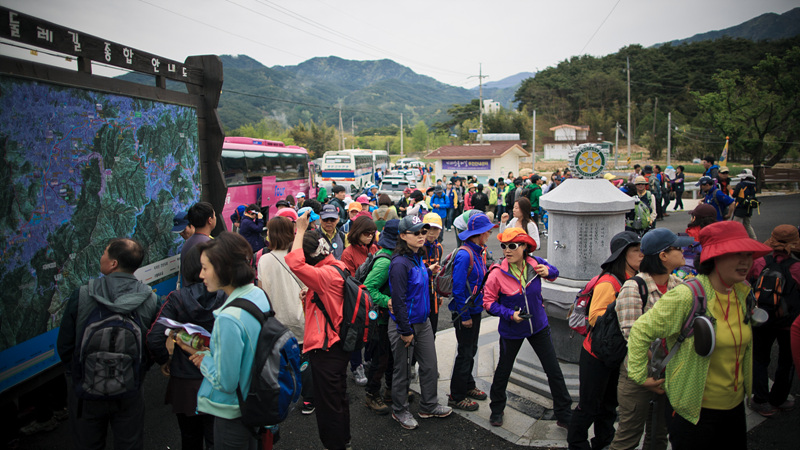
<point>233,165</point>
<point>257,166</point>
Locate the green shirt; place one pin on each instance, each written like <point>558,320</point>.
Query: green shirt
<point>687,372</point>
<point>322,195</point>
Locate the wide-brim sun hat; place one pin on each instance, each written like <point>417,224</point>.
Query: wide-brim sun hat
<point>389,235</point>
<point>640,180</point>
<point>362,199</point>
<point>477,224</point>
<point>747,174</point>
<point>517,235</point>
<point>784,238</point>
<point>619,244</point>
<point>722,238</point>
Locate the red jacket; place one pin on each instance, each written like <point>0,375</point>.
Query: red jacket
<point>355,255</point>
<point>325,281</point>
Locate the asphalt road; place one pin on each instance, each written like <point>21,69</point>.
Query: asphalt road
<point>381,432</point>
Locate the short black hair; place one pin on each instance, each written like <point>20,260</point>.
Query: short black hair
<point>680,167</point>
<point>190,268</point>
<point>128,253</point>
<point>652,265</point>
<point>709,159</point>
<point>336,189</point>
<point>199,213</point>
<point>637,166</point>
<point>230,254</point>
<point>314,205</point>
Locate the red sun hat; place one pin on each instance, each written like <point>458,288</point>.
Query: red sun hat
<point>517,235</point>
<point>722,238</point>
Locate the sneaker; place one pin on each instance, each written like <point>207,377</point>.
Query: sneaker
<point>496,419</point>
<point>405,419</point>
<point>375,403</point>
<point>308,408</point>
<point>476,394</point>
<point>438,411</point>
<point>765,409</point>
<point>361,379</point>
<point>465,405</point>
<point>61,415</point>
<point>788,405</point>
<point>39,427</point>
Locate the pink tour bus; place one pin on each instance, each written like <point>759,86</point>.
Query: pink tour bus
<point>262,172</point>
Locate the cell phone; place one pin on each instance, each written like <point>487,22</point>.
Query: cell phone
<point>525,315</point>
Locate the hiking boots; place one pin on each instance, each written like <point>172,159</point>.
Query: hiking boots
<point>464,405</point>
<point>375,403</point>
<point>476,394</point>
<point>496,419</point>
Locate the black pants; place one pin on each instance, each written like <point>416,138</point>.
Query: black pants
<point>678,199</point>
<point>543,346</point>
<point>330,396</point>
<point>716,429</point>
<point>307,390</point>
<point>382,362</point>
<point>763,338</point>
<point>90,419</point>
<point>195,429</point>
<point>659,206</point>
<point>598,404</point>
<point>467,338</point>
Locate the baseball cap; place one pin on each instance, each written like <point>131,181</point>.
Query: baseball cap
<point>312,216</point>
<point>329,212</point>
<point>704,180</point>
<point>288,213</point>
<point>704,210</point>
<point>282,203</point>
<point>410,224</point>
<point>354,206</point>
<point>300,195</point>
<point>658,240</point>
<point>640,180</point>
<point>724,169</point>
<point>180,222</point>
<point>433,220</point>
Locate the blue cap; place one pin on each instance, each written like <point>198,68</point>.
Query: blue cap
<point>180,222</point>
<point>477,224</point>
<point>389,234</point>
<point>658,240</point>
<point>312,217</point>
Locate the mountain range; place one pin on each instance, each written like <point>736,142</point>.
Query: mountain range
<point>373,94</point>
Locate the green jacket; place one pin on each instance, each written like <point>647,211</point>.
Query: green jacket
<point>377,282</point>
<point>535,194</point>
<point>322,195</point>
<point>501,195</point>
<point>686,371</point>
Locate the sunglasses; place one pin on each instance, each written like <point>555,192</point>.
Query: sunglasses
<point>423,232</point>
<point>510,246</point>
<point>330,220</point>
<point>669,249</point>
<point>368,233</point>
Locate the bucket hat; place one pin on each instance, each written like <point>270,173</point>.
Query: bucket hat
<point>619,244</point>
<point>784,238</point>
<point>722,238</point>
<point>517,235</point>
<point>703,210</point>
<point>389,235</point>
<point>477,224</point>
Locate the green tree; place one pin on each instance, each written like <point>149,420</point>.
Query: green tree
<point>419,137</point>
<point>460,113</point>
<point>760,111</point>
<point>268,128</point>
<point>317,139</point>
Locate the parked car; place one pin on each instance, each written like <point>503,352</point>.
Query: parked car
<point>393,188</point>
<point>410,174</point>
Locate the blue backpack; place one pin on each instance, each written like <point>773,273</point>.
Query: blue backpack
<point>275,381</point>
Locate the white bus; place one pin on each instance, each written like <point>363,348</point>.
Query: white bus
<point>354,169</point>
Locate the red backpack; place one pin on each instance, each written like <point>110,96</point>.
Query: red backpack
<point>578,315</point>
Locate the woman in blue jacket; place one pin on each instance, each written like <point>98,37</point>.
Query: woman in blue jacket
<point>469,267</point>
<point>251,227</point>
<point>228,363</point>
<point>522,316</point>
<point>409,329</point>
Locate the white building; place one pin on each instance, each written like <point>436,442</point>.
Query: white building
<point>490,106</point>
<point>564,138</point>
<point>484,161</point>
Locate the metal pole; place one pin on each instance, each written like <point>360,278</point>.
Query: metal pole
<point>628,63</point>
<point>480,110</point>
<point>533,147</point>
<point>669,138</point>
<point>401,134</point>
<point>616,146</point>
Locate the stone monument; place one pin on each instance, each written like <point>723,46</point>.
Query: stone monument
<point>584,213</point>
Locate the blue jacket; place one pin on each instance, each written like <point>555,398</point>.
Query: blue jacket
<point>251,230</point>
<point>502,294</point>
<point>229,361</point>
<point>444,202</point>
<point>408,283</point>
<point>464,283</point>
<point>719,200</point>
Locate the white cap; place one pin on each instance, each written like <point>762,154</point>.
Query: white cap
<point>300,195</point>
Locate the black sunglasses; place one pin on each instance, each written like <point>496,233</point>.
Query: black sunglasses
<point>510,246</point>
<point>368,233</point>
<point>423,232</point>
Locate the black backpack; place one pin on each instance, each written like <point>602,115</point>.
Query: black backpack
<point>356,322</point>
<point>776,292</point>
<point>608,344</point>
<point>510,197</point>
<point>366,267</point>
<point>275,378</point>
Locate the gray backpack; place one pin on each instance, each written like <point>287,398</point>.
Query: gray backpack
<point>109,358</point>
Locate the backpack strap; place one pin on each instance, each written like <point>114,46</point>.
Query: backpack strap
<point>642,290</point>
<point>698,309</point>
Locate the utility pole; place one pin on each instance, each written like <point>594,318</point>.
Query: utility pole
<point>480,77</point>
<point>669,138</point>
<point>401,134</point>
<point>341,129</point>
<point>616,145</point>
<point>628,64</point>
<point>353,130</point>
<point>533,146</point>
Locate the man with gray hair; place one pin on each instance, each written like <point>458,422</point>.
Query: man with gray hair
<point>102,345</point>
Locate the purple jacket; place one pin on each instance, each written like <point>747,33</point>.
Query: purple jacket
<point>503,292</point>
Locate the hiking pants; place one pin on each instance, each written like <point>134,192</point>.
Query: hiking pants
<point>330,395</point>
<point>89,421</point>
<point>382,364</point>
<point>462,379</point>
<point>636,413</point>
<point>763,338</point>
<point>597,405</point>
<point>423,350</point>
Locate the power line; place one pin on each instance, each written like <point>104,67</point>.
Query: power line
<point>598,28</point>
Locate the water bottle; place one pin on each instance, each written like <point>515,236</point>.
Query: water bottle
<point>192,340</point>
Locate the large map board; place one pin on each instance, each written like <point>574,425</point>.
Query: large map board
<point>80,167</point>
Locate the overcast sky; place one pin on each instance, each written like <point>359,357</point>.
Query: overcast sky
<point>446,40</point>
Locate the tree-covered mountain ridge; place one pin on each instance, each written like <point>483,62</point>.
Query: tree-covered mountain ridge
<point>766,27</point>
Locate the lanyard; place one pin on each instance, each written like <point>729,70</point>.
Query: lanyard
<point>737,347</point>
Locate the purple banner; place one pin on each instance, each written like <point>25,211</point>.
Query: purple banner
<point>466,164</point>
